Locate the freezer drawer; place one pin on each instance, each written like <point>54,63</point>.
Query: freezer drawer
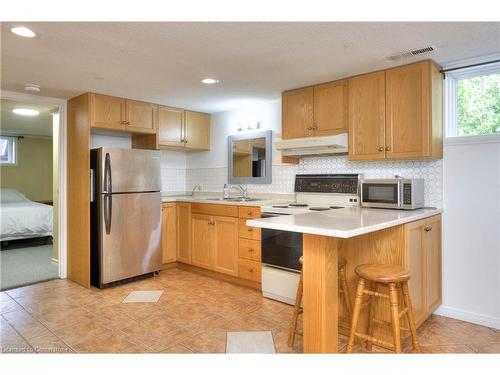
<point>130,235</point>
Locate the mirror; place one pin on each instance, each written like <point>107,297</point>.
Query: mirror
<point>249,158</point>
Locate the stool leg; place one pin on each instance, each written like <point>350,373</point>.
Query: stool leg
<point>371,313</point>
<point>409,316</point>
<point>393,300</point>
<point>358,300</point>
<point>296,312</point>
<point>345,292</point>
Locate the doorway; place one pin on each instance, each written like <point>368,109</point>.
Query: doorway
<point>32,207</point>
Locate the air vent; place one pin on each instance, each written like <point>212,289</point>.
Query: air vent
<point>414,52</point>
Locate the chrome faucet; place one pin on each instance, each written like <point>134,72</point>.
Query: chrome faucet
<point>243,190</point>
<point>198,186</point>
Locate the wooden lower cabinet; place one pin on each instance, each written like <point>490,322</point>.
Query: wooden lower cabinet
<point>225,245</point>
<point>169,232</point>
<point>214,243</point>
<point>423,258</point>
<point>183,232</point>
<point>201,241</point>
<point>250,270</point>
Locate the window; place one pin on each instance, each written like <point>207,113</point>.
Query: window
<point>8,150</point>
<point>472,103</point>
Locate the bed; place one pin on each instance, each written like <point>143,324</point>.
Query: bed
<point>22,218</point>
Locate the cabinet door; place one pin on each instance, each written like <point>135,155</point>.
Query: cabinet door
<point>415,260</point>
<point>201,240</point>
<point>432,231</point>
<point>107,112</point>
<point>169,232</point>
<point>225,241</point>
<point>297,113</point>
<point>197,130</point>
<point>366,116</point>
<point>141,117</point>
<point>407,111</point>
<point>184,232</point>
<point>330,108</point>
<point>171,126</point>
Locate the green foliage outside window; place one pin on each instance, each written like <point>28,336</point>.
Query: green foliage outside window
<point>479,105</point>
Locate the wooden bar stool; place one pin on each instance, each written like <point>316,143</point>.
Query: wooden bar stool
<point>392,276</point>
<point>343,289</point>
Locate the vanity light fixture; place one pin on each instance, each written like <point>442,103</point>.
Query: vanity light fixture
<point>23,31</point>
<point>26,111</point>
<point>209,81</point>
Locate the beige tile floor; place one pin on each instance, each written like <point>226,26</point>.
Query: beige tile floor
<point>192,316</point>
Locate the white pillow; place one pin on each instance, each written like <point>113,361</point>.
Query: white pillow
<point>11,195</point>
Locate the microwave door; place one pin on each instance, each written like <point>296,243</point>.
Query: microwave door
<point>381,194</point>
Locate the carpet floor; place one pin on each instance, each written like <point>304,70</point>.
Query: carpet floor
<point>26,265</point>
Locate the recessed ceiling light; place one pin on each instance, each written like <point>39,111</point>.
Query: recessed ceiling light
<point>26,111</point>
<point>210,81</point>
<point>23,31</point>
<point>32,87</point>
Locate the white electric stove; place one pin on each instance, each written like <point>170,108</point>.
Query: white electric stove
<point>320,192</point>
<point>281,250</point>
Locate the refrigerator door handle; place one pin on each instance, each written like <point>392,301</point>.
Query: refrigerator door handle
<point>107,175</point>
<point>108,210</point>
<point>92,189</point>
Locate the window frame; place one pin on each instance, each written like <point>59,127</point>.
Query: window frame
<point>451,101</point>
<point>12,147</point>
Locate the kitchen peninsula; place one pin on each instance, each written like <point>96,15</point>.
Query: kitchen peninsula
<point>411,239</point>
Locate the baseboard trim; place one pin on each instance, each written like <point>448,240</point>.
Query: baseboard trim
<point>484,320</point>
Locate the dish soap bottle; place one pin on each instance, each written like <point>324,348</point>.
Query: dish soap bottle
<point>225,193</point>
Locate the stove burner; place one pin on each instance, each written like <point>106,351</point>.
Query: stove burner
<point>335,207</point>
<point>319,208</point>
<point>280,206</point>
<point>298,205</point>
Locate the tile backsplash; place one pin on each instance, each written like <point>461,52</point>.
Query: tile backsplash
<point>213,179</point>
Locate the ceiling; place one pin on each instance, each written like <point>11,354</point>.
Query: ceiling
<point>11,123</point>
<point>164,62</point>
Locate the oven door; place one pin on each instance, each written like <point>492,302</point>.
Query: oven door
<point>383,194</point>
<point>280,248</point>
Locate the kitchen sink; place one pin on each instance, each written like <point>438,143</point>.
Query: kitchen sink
<point>233,199</point>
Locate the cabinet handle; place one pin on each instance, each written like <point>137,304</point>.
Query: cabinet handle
<point>428,229</point>
<point>250,270</point>
<point>250,229</point>
<point>381,149</point>
<point>250,250</point>
<point>387,148</point>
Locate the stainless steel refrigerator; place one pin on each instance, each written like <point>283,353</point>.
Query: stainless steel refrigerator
<point>125,214</point>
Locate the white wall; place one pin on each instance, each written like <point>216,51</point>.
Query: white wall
<point>471,232</point>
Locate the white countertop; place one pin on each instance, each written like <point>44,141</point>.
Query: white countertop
<point>214,200</point>
<point>343,223</point>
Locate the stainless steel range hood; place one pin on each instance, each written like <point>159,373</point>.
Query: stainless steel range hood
<point>310,146</point>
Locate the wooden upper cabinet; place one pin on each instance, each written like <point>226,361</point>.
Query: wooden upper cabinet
<point>107,112</point>
<point>171,126</point>
<point>141,116</point>
<point>297,113</point>
<point>225,245</point>
<point>330,108</point>
<point>366,115</point>
<point>197,130</point>
<point>183,232</point>
<point>169,232</point>
<point>409,111</point>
